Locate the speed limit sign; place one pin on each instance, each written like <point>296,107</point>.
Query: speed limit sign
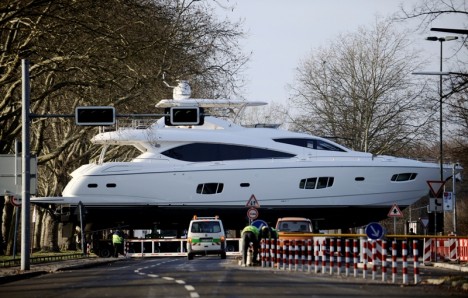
<point>252,213</point>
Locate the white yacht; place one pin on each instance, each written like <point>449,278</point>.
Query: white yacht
<point>220,165</point>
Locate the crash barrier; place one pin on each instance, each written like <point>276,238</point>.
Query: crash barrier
<point>445,249</point>
<point>169,247</point>
<point>324,255</point>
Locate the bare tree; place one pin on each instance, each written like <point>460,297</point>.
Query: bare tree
<point>100,53</point>
<point>360,90</point>
<point>455,92</point>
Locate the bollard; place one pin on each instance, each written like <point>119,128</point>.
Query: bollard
<point>279,252</point>
<point>347,257</point>
<point>285,254</point>
<point>291,254</point>
<point>317,249</point>
<point>272,253</point>
<point>303,253</point>
<point>355,257</point>
<point>416,261</point>
<point>332,255</point>
<point>384,260</point>
<point>324,260</point>
<point>338,251</point>
<point>364,261</point>
<point>394,261</point>
<point>309,254</point>
<point>404,252</point>
<point>296,254</point>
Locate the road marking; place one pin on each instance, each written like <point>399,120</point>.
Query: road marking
<point>189,288</point>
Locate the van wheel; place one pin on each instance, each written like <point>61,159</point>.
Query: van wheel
<point>190,256</point>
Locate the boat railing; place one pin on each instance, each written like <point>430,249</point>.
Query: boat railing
<point>121,124</point>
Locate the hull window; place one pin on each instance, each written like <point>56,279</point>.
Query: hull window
<point>92,185</point>
<point>210,188</point>
<point>111,185</point>
<point>245,185</point>
<point>316,183</point>
<point>404,177</point>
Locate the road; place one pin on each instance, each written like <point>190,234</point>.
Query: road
<point>205,277</point>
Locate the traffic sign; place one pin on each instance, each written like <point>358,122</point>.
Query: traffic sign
<point>252,202</point>
<point>375,231</point>
<point>252,213</point>
<point>395,211</point>
<point>435,205</point>
<point>259,224</point>
<point>15,201</point>
<point>424,221</point>
<point>436,187</point>
<point>448,201</point>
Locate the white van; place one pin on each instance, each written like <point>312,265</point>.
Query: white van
<point>206,236</point>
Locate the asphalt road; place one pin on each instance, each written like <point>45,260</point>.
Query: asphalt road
<point>206,277</point>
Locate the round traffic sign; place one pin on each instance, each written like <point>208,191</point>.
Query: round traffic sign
<point>252,213</point>
<point>15,201</point>
<point>375,231</point>
<point>259,224</point>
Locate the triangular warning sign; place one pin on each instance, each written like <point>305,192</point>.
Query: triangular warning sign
<point>252,202</point>
<point>436,188</point>
<point>395,211</point>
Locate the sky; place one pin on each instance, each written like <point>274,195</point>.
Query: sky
<point>281,33</point>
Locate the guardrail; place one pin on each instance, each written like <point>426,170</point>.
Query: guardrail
<point>137,248</point>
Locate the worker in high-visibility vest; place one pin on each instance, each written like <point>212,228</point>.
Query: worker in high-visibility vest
<point>117,242</point>
<point>250,239</point>
<point>268,233</point>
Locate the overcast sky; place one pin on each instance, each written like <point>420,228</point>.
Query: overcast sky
<point>282,33</point>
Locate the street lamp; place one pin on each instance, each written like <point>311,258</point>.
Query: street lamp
<point>441,40</point>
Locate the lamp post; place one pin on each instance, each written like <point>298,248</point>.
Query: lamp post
<point>441,152</point>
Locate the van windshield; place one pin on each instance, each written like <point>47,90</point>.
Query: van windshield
<point>206,227</point>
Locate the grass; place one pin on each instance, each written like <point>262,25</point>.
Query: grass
<point>42,254</point>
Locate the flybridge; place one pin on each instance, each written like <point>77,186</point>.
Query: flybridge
<point>179,111</point>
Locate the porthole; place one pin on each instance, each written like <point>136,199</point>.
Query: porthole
<point>92,185</point>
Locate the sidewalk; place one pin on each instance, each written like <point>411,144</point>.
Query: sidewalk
<point>10,274</point>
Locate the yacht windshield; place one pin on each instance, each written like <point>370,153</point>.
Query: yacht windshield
<point>310,143</point>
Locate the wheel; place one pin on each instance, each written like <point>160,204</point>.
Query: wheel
<point>190,256</point>
<point>105,253</point>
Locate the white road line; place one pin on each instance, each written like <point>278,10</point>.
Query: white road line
<point>180,282</point>
<point>189,288</point>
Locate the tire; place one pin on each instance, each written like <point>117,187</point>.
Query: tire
<point>105,253</point>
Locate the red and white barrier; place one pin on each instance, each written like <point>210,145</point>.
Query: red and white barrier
<point>463,249</point>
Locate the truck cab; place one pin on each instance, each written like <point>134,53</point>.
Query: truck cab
<point>294,228</point>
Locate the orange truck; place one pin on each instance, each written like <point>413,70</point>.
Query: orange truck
<point>294,228</point>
